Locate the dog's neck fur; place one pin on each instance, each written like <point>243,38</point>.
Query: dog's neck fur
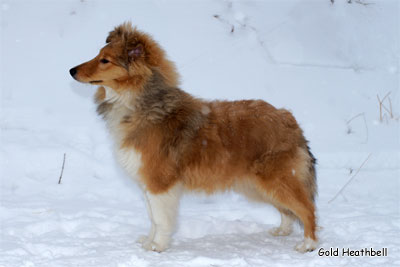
<point>158,107</point>
<point>156,101</point>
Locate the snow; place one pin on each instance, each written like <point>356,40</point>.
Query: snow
<point>326,63</point>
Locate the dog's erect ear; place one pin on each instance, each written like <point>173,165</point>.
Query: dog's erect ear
<point>136,52</point>
<point>120,32</point>
<point>113,35</point>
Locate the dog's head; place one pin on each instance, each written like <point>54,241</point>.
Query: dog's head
<point>126,62</point>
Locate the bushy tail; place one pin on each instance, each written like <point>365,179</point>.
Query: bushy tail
<point>312,179</point>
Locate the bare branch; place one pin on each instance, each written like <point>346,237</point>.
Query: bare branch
<point>387,110</point>
<point>362,114</point>
<point>351,179</point>
<point>62,170</point>
<point>380,108</point>
<point>366,128</point>
<point>362,3</point>
<point>391,110</point>
<point>383,99</point>
<point>358,115</point>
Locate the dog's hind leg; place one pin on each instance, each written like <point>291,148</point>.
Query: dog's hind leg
<point>299,203</point>
<point>286,227</point>
<point>163,209</point>
<point>290,194</point>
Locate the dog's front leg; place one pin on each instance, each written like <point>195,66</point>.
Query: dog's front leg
<point>163,210</point>
<point>145,240</point>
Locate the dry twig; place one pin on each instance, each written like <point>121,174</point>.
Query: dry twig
<point>351,179</point>
<point>362,3</point>
<point>365,124</point>
<point>355,1</point>
<point>62,170</point>
<point>382,107</point>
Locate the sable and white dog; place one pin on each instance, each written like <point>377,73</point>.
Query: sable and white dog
<point>171,142</point>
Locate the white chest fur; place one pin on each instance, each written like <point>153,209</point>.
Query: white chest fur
<point>127,157</point>
<point>130,160</point>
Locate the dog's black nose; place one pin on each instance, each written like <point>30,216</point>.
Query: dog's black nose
<point>72,72</point>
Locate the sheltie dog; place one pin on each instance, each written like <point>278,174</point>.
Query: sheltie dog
<point>171,142</point>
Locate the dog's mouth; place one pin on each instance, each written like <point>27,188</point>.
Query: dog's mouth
<point>96,81</point>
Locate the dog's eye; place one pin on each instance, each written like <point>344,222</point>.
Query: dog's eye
<point>104,61</point>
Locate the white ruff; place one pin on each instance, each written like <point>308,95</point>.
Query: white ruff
<point>128,158</point>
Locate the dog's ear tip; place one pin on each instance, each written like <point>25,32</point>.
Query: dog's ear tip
<point>121,31</point>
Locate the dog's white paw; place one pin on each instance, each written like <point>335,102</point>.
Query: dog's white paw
<point>307,245</point>
<point>153,246</point>
<point>143,239</point>
<point>279,231</point>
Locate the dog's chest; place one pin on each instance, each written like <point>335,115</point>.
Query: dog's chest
<point>130,160</point>
<point>128,157</point>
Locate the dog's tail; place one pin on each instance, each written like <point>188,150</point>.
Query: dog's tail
<point>312,175</point>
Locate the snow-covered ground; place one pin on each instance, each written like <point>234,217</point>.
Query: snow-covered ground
<point>328,63</point>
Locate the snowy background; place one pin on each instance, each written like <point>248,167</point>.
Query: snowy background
<point>335,66</point>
